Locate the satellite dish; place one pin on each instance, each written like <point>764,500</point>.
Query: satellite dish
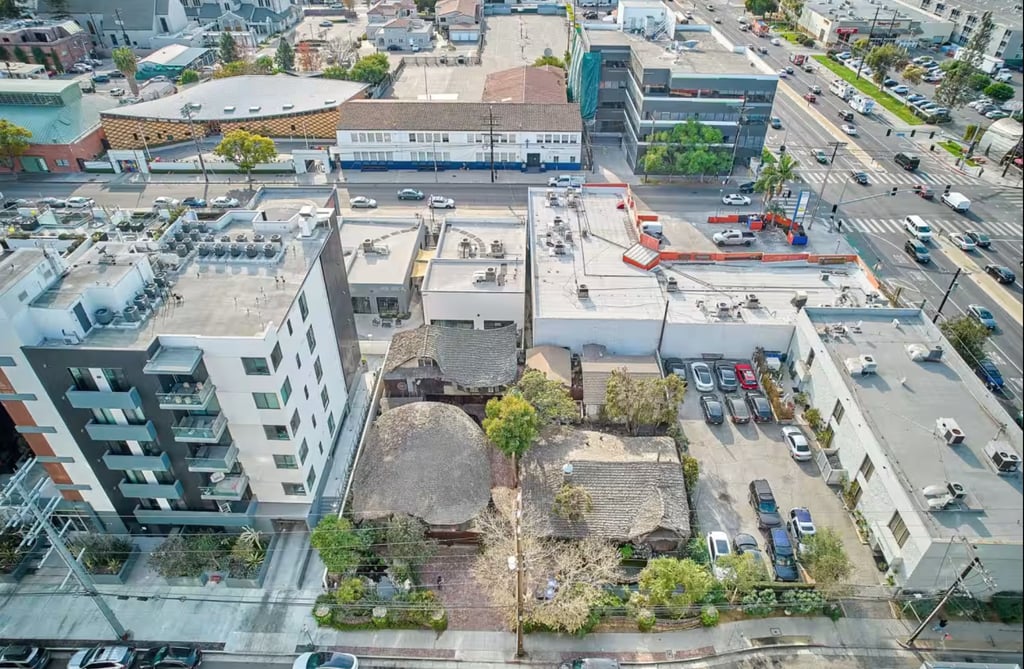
<point>547,52</point>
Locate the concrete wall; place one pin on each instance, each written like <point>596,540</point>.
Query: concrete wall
<point>732,340</point>
<point>474,306</point>
<point>621,336</point>
<point>87,147</point>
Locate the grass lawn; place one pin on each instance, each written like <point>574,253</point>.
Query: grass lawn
<point>866,87</point>
<point>955,149</point>
<point>793,38</point>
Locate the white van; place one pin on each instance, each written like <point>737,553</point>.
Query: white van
<point>566,181</point>
<point>956,201</point>
<point>916,226</point>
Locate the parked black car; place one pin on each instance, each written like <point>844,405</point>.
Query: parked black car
<point>712,409</point>
<point>762,499</point>
<point>171,657</point>
<point>747,187</point>
<point>24,657</point>
<point>674,366</point>
<point>737,409</point>
<point>759,407</point>
<point>726,377</point>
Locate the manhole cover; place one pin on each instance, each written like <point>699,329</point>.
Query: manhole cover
<point>775,631</point>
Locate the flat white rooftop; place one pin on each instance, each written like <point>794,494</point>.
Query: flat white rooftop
<point>901,404</point>
<point>380,250</point>
<point>476,237</point>
<point>585,246</point>
<point>472,276</point>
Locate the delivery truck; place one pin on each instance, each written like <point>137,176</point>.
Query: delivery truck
<point>956,201</point>
<point>988,64</point>
<point>862,104</point>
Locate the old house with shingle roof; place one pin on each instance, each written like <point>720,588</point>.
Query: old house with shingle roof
<point>597,366</point>
<point>545,85</point>
<point>635,484</point>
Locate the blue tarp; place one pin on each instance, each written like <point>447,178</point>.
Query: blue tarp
<point>584,77</point>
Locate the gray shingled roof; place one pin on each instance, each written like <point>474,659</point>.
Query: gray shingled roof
<point>597,372</point>
<point>636,485</point>
<point>425,459</point>
<point>470,358</point>
<point>136,14</point>
<point>467,116</point>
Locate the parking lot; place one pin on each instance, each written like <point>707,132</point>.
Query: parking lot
<point>731,456</point>
<point>508,41</point>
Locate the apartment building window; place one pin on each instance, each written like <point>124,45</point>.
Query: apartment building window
<point>276,432</point>
<point>266,400</point>
<point>899,529</point>
<point>298,361</point>
<point>285,461</point>
<point>311,339</point>
<point>330,427</point>
<point>289,324</point>
<point>838,411</point>
<point>320,447</point>
<point>867,468</point>
<point>275,356</point>
<point>303,307</point>
<point>286,390</point>
<point>305,391</point>
<point>255,366</point>
<point>294,489</point>
<point>318,369</point>
<point>303,452</point>
<point>295,422</point>
<point>82,378</point>
<point>325,399</point>
<point>313,417</point>
<point>853,494</point>
<point>311,479</point>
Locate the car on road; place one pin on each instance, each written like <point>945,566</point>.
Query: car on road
<point>736,199</point>
<point>326,659</point>
<point>796,442</point>
<point>900,90</point>
<point>103,657</point>
<point>961,241</point>
<point>702,377</point>
<point>816,89</point>
<point>820,156</point>
<point>77,202</point>
<point>990,375</point>
<point>81,68</point>
<point>776,41</point>
<point>116,74</point>
<point>1001,273</point>
<point>711,407</point>
<point>194,202</point>
<point>410,194</point>
<point>775,122</point>
<point>917,250</point>
<point>982,315</point>
<point>783,74</point>
<point>738,412</point>
<point>326,24</point>
<point>801,525</point>
<point>980,239</point>
<point>16,203</point>
<point>24,657</point>
<point>100,78</point>
<point>674,366</point>
<point>861,178</point>
<point>916,226</point>
<point>116,92</point>
<point>789,69</point>
<point>718,546</point>
<point>441,202</point>
<point>745,375</point>
<point>924,192</point>
<point>914,97</point>
<point>996,115</point>
<point>747,187</point>
<point>762,500</point>
<point>362,202</point>
<point>725,374</point>
<point>164,201</point>
<point>844,56</point>
<point>171,657</point>
<point>810,97</point>
<point>760,407</point>
<point>54,202</point>
<point>850,130</point>
<point>224,202</point>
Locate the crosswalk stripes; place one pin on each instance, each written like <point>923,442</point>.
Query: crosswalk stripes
<point>891,225</point>
<point>840,176</point>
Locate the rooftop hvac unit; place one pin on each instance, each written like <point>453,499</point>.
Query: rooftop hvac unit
<point>254,108</point>
<point>497,249</point>
<point>672,285</point>
<point>559,248</point>
<point>480,276</point>
<point>582,292</point>
<point>950,431</point>
<point>868,364</point>
<point>288,105</point>
<point>491,273</point>
<point>367,246</point>
<point>753,302</point>
<point>799,299</point>
<point>723,308</point>
<point>956,490</point>
<point>1003,457</point>
<point>229,109</point>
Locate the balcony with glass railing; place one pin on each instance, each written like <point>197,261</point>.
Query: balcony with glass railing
<point>213,459</point>
<point>229,488</point>
<point>200,429</point>
<point>186,396</point>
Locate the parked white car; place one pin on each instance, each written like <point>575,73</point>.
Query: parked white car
<point>718,546</point>
<point>962,241</point>
<point>736,199</point>
<point>223,202</point>
<point>795,440</point>
<point>441,202</point>
<point>77,202</point>
<point>164,201</point>
<point>700,372</point>
<point>362,202</point>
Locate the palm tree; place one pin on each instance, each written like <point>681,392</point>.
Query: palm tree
<point>124,59</point>
<point>775,173</point>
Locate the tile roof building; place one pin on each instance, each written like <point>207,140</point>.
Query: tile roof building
<point>396,134</point>
<point>537,85</point>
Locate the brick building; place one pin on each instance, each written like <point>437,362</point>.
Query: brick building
<point>278,106</point>
<point>56,44</point>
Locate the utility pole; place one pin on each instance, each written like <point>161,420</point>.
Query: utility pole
<point>124,30</point>
<point>952,284</point>
<point>186,111</point>
<point>871,34</point>
<point>1012,156</point>
<point>739,128</point>
<point>15,499</point>
<point>821,191</point>
<point>490,130</point>
<point>520,588</point>
<point>971,566</point>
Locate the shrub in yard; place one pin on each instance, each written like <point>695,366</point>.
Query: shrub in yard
<point>759,603</point>
<point>1009,606</point>
<point>350,591</point>
<point>645,620</point>
<point>802,602</point>
<point>709,616</point>
<point>103,554</point>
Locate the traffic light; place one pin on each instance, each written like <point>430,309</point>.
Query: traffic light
<point>893,193</point>
<point>947,189</point>
<point>913,132</point>
<point>888,132</point>
<point>835,208</point>
<point>931,135</point>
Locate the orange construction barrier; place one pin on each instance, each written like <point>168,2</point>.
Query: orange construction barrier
<point>649,242</point>
<point>783,257</point>
<point>741,256</point>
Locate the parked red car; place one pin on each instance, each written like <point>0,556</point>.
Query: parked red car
<point>746,376</point>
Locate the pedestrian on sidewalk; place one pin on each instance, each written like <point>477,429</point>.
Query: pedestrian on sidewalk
<point>946,637</point>
<point>440,583</point>
<point>941,625</point>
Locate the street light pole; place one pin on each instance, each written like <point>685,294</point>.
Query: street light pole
<point>945,297</point>
<point>186,112</point>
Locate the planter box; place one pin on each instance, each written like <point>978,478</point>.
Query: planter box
<point>19,571</point>
<point>190,581</point>
<point>260,576</point>
<point>121,576</point>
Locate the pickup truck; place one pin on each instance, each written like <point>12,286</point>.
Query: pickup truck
<point>734,238</point>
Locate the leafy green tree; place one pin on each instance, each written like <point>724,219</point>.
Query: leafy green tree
<point>761,7</point>
<point>914,74</point>
<point>188,77</point>
<point>968,337</point>
<point>334,72</point>
<point>675,584</point>
<point>691,472</point>
<point>341,546</point>
<point>554,61</point>
<point>13,9</point>
<point>740,573</point>
<point>285,55</point>
<point>999,91</point>
<point>246,150</point>
<point>372,69</point>
<point>126,61</point>
<point>227,48</point>
<point>14,141</point>
<point>640,402</point>
<point>979,81</point>
<point>689,148</point>
<point>263,65</point>
<point>572,502</point>
<point>404,544</point>
<point>511,423</point>
<point>550,398</point>
<point>826,560</point>
<point>884,58</point>
<point>235,68</point>
<point>955,90</point>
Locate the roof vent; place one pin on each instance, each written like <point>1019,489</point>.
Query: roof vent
<point>288,105</point>
<point>922,353</point>
<point>229,109</point>
<point>254,108</point>
<point>950,431</point>
<point>195,105</point>
<point>582,292</point>
<point>1003,457</point>
<point>799,299</point>
<point>567,471</point>
<point>753,302</point>
<point>672,285</point>
<point>332,101</point>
